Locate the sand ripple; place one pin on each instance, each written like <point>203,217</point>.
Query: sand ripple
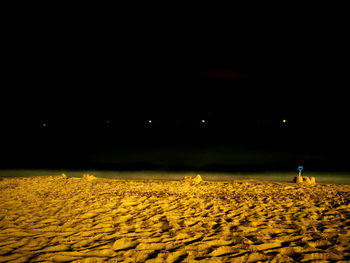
<point>76,220</point>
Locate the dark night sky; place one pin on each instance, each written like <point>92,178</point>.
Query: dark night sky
<point>251,69</point>
<point>83,68</point>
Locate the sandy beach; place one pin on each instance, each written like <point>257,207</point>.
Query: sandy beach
<point>59,219</point>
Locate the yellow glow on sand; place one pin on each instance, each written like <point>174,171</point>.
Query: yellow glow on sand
<point>190,207</point>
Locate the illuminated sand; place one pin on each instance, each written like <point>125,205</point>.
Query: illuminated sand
<point>79,220</point>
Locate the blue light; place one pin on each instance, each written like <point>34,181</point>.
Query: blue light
<point>300,168</point>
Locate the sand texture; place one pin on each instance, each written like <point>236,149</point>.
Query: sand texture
<point>58,219</point>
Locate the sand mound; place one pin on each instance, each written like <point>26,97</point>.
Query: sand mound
<point>304,180</point>
<point>55,219</point>
<point>192,180</point>
<point>88,177</point>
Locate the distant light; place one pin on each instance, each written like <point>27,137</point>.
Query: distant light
<point>149,121</point>
<point>108,121</point>
<point>44,124</point>
<point>284,121</point>
<point>203,121</point>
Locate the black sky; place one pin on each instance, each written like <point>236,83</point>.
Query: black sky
<point>140,68</point>
<point>74,69</point>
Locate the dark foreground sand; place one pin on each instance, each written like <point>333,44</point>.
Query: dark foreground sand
<point>44,219</point>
